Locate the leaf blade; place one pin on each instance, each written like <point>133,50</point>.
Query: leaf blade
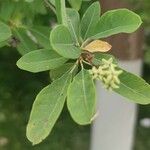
<point>5,32</point>
<point>61,12</point>
<point>76,4</point>
<point>58,72</point>
<point>134,88</point>
<point>64,45</point>
<point>116,21</point>
<point>40,60</point>
<point>46,109</point>
<point>98,46</point>
<point>25,43</point>
<point>41,33</point>
<point>82,105</point>
<point>73,24</point>
<point>89,20</point>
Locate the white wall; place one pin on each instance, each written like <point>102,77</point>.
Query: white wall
<point>114,127</point>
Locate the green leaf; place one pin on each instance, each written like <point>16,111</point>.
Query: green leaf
<point>47,108</point>
<point>116,21</point>
<point>89,20</point>
<point>6,10</point>
<point>61,12</point>
<point>76,4</point>
<point>134,88</point>
<point>63,43</point>
<point>5,32</point>
<point>41,33</point>
<point>73,24</point>
<point>52,2</point>
<point>2,44</point>
<point>81,100</point>
<point>25,44</point>
<point>40,60</point>
<point>97,60</point>
<point>58,72</point>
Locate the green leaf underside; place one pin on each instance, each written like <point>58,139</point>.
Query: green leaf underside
<point>73,24</point>
<point>81,99</point>
<point>134,88</point>
<point>76,4</point>
<point>58,72</point>
<point>6,10</point>
<point>40,60</point>
<point>116,21</point>
<point>97,60</point>
<point>61,12</point>
<point>25,44</point>
<point>89,20</point>
<point>5,32</point>
<point>47,108</point>
<point>41,33</point>
<point>63,44</point>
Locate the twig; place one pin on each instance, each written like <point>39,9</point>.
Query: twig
<point>75,65</point>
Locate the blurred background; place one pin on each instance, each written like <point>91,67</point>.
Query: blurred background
<point>19,88</point>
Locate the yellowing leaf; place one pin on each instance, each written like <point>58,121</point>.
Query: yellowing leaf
<point>98,46</point>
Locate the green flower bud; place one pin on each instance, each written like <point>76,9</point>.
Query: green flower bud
<point>107,73</point>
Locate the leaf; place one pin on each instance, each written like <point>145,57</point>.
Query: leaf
<point>116,21</point>
<point>40,60</point>
<point>89,20</point>
<point>26,44</point>
<point>5,32</point>
<point>2,44</point>
<point>6,10</point>
<point>97,60</point>
<point>98,46</point>
<point>52,2</point>
<point>81,99</point>
<point>61,12</point>
<point>58,72</point>
<point>41,33</point>
<point>37,7</point>
<point>63,44</point>
<point>73,24</point>
<point>76,4</point>
<point>134,88</point>
<point>47,108</point>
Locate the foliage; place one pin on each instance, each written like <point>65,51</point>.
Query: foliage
<point>15,106</point>
<point>69,40</point>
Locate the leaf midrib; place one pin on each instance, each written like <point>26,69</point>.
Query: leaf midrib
<point>45,37</point>
<point>75,35</point>
<point>44,61</point>
<point>23,41</point>
<point>84,91</point>
<point>134,91</point>
<point>103,32</point>
<point>45,124</point>
<point>63,44</point>
<point>57,102</point>
<point>89,25</point>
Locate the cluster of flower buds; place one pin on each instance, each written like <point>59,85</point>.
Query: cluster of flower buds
<point>107,73</point>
